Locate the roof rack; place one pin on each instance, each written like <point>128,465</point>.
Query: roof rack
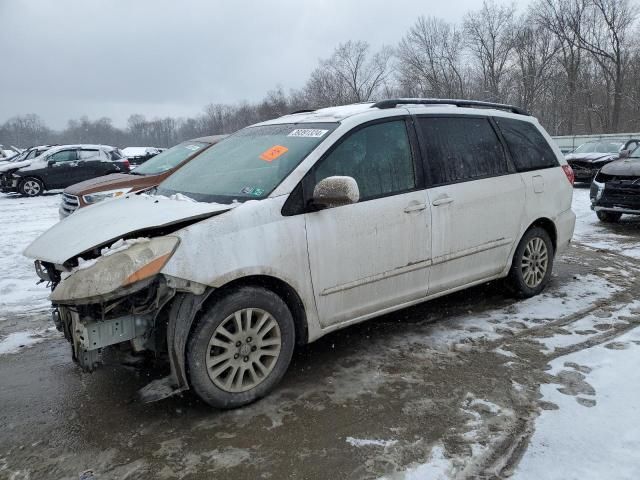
<point>300,111</point>
<point>392,103</point>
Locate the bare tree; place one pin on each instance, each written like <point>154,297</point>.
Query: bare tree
<point>350,75</point>
<point>430,60</point>
<point>564,19</point>
<point>24,130</point>
<point>601,28</point>
<point>535,50</point>
<point>489,33</point>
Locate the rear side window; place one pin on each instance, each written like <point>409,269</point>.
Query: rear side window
<point>461,148</point>
<point>89,154</point>
<point>529,149</point>
<point>115,154</point>
<point>378,157</point>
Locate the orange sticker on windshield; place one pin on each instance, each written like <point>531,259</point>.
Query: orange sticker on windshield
<point>273,153</point>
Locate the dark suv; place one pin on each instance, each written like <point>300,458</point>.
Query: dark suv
<point>63,166</point>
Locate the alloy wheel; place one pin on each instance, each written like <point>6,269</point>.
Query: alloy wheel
<point>535,261</point>
<point>31,188</point>
<point>243,350</point>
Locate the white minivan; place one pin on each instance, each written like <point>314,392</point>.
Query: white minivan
<point>298,226</point>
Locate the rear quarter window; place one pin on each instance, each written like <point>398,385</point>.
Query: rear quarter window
<point>115,154</point>
<point>529,149</point>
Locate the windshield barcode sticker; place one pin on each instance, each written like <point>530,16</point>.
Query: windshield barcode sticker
<point>192,147</point>
<point>308,132</point>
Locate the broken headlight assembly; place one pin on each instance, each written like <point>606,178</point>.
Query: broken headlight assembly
<point>96,197</point>
<point>116,273</point>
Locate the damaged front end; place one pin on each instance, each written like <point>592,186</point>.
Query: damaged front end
<point>119,298</point>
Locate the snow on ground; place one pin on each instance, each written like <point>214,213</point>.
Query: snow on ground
<point>16,341</point>
<point>559,440</point>
<point>596,234</point>
<point>594,432</point>
<point>437,468</point>
<point>365,442</point>
<point>24,307</point>
<point>580,292</point>
<point>588,327</point>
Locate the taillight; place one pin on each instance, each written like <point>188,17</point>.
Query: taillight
<point>126,164</point>
<point>568,171</point>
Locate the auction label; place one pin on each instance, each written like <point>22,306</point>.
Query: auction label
<point>307,132</point>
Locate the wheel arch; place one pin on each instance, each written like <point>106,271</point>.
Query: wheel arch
<point>281,288</point>
<point>24,178</point>
<point>547,225</point>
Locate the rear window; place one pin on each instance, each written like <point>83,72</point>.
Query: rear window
<point>529,149</point>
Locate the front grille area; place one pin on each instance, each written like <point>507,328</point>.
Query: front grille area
<point>7,182</point>
<point>70,204</point>
<point>621,193</point>
<point>582,169</point>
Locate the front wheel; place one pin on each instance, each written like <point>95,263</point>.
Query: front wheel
<point>240,348</point>
<point>532,263</point>
<point>31,187</point>
<point>608,217</point>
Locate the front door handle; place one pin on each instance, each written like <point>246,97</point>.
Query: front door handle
<point>415,207</point>
<point>441,201</point>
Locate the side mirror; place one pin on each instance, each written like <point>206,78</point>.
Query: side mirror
<point>50,163</point>
<point>336,192</point>
<point>625,153</point>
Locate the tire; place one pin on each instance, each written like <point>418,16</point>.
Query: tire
<point>608,217</point>
<point>528,278</point>
<point>31,187</point>
<point>256,358</point>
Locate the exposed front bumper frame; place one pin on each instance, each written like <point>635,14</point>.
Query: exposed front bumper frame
<point>628,211</point>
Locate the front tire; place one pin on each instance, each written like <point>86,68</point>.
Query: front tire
<point>240,347</point>
<point>31,187</point>
<point>532,263</point>
<point>608,217</point>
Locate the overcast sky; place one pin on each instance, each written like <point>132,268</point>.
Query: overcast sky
<point>63,59</point>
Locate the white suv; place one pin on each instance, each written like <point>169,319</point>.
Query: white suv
<point>295,227</point>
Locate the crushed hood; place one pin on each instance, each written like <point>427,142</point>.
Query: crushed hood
<point>6,166</point>
<point>110,220</point>
<point>591,157</point>
<point>629,167</point>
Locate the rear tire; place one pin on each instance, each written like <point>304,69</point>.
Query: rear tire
<point>608,217</point>
<point>532,263</point>
<point>240,347</point>
<point>31,187</point>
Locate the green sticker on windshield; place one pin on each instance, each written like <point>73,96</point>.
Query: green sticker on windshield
<point>253,191</point>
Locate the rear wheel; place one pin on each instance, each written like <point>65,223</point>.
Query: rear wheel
<point>608,217</point>
<point>240,347</point>
<point>31,187</point>
<point>532,263</point>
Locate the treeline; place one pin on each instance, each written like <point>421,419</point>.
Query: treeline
<point>575,64</point>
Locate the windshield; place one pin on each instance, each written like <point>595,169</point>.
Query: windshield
<point>170,158</point>
<point>599,147</point>
<point>635,153</point>
<point>247,165</point>
<point>18,158</point>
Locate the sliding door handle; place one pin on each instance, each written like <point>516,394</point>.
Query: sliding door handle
<point>415,207</point>
<point>442,201</point>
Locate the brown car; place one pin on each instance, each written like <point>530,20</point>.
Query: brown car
<point>146,176</point>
